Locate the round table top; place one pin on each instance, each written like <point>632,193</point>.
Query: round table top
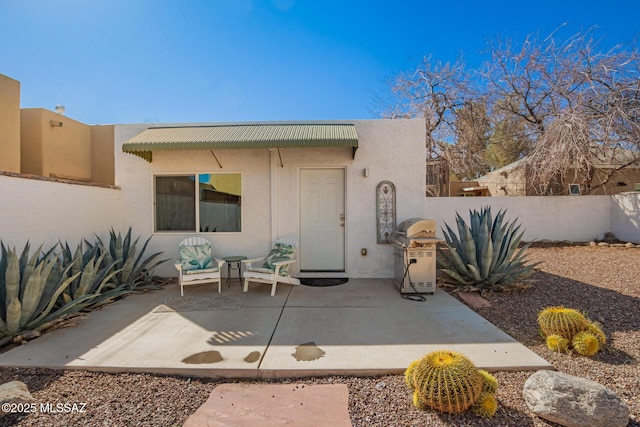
<point>235,258</point>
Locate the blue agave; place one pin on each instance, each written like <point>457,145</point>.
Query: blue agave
<point>484,255</point>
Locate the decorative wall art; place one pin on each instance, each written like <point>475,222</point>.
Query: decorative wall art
<point>385,210</point>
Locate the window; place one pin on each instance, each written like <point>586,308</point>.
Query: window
<point>218,200</point>
<point>574,189</point>
<point>546,190</point>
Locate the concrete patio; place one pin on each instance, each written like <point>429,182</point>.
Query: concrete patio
<point>362,327</point>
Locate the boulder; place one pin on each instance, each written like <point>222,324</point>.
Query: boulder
<point>573,402</point>
<point>15,392</point>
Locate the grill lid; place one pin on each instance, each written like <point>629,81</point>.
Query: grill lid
<point>416,227</point>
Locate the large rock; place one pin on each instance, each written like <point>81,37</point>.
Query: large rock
<point>14,392</point>
<point>573,402</point>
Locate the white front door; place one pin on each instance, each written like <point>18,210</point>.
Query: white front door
<point>322,220</point>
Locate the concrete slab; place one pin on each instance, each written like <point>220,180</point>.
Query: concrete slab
<point>365,341</point>
<point>362,327</point>
<point>237,405</point>
<point>226,342</point>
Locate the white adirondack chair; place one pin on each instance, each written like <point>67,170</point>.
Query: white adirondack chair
<point>197,264</point>
<point>272,268</point>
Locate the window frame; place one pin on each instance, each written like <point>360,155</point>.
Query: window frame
<point>196,176</point>
<point>572,192</point>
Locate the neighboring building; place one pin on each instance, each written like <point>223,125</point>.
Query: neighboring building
<point>242,185</point>
<point>437,178</point>
<point>36,141</point>
<point>9,124</point>
<point>511,180</point>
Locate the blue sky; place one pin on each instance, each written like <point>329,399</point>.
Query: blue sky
<point>134,61</point>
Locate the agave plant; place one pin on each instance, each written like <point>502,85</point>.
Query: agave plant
<point>484,255</point>
<point>133,270</point>
<point>29,290</point>
<point>93,278</point>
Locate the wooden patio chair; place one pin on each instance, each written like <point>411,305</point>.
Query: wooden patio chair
<point>274,267</point>
<point>197,264</point>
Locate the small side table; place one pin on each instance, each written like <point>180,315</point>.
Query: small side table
<point>234,263</point>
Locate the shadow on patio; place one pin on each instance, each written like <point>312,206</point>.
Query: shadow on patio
<point>362,327</point>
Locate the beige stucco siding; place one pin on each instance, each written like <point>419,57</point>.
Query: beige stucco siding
<point>54,151</point>
<point>102,158</point>
<point>9,124</point>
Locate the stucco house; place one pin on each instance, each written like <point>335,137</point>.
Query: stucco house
<point>511,180</point>
<point>242,185</point>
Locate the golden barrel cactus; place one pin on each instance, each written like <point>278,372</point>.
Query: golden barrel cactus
<point>586,344</point>
<point>557,343</point>
<point>489,382</point>
<point>486,405</point>
<point>562,321</point>
<point>596,330</point>
<point>408,373</point>
<point>446,381</point>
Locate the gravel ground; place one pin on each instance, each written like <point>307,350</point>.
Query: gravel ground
<point>602,282</point>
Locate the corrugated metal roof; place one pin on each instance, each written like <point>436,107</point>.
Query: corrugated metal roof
<point>242,137</point>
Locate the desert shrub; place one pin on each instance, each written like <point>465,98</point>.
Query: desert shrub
<point>484,255</point>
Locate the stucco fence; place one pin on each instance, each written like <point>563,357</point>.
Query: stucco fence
<point>572,218</point>
<point>49,211</point>
<point>46,211</point>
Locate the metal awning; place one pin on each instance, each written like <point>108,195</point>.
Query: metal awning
<point>244,136</point>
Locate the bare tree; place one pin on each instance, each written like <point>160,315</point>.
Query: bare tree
<point>509,140</point>
<point>433,91</point>
<point>563,105</point>
<point>467,157</point>
<point>580,105</point>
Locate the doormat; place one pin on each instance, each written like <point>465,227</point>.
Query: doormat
<point>329,281</point>
<point>208,303</point>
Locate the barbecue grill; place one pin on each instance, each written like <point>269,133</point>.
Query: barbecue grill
<point>414,242</point>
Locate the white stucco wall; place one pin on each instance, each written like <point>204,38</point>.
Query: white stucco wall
<point>391,150</point>
<point>573,218</point>
<point>45,212</point>
<point>625,216</point>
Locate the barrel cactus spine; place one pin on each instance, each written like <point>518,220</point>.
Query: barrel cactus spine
<point>418,403</point>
